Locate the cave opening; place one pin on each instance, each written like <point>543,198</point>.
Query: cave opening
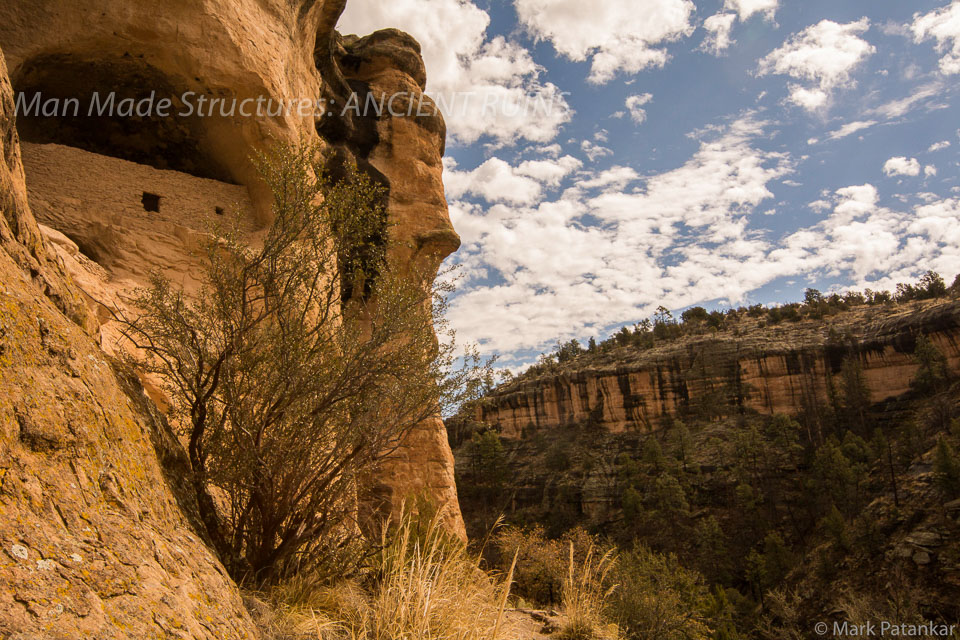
<point>112,107</point>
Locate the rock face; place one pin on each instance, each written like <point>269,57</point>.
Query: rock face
<point>273,54</point>
<point>95,543</point>
<point>782,369</point>
<point>406,152</point>
<point>97,535</point>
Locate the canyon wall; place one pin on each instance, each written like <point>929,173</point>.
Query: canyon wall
<point>783,369</point>
<point>90,178</point>
<point>95,533</point>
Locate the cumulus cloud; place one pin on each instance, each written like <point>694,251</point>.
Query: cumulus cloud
<point>939,146</point>
<point>719,28</point>
<point>635,106</point>
<point>746,8</point>
<point>824,55</point>
<point>595,151</point>
<point>901,166</point>
<point>497,181</point>
<point>623,238</point>
<point>493,181</point>
<point>615,35</point>
<point>943,25</point>
<point>929,171</point>
<point>616,245</point>
<point>550,172</point>
<point>485,86</point>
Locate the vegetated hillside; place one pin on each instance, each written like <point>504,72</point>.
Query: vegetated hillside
<point>845,508</point>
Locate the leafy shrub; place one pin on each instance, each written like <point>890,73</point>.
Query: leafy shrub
<point>657,598</point>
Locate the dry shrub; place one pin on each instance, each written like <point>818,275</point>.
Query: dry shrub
<point>542,563</point>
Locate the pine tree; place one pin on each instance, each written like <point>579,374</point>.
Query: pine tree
<point>946,466</point>
<point>932,376</point>
<point>854,394</point>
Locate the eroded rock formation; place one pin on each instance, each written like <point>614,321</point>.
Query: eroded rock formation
<point>95,543</point>
<point>96,537</point>
<point>784,369</point>
<point>275,53</point>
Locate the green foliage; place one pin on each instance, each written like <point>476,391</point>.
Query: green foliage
<point>836,478</point>
<point>490,459</point>
<point>662,327</point>
<point>632,505</point>
<point>835,527</point>
<point>669,497</point>
<point>812,297</point>
<point>931,285</point>
<point>652,454</point>
<point>694,314</point>
<point>932,376</point>
<point>568,351</point>
<point>946,466</point>
<point>658,598</point>
<point>558,457</point>
<point>777,559</point>
<point>854,395</point>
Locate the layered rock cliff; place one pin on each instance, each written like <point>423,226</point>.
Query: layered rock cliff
<point>787,368</point>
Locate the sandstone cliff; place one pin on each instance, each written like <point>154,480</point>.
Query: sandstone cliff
<point>786,368</point>
<point>95,543</point>
<point>119,197</point>
<point>96,537</point>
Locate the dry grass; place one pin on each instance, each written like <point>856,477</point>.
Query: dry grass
<point>586,589</point>
<point>426,587</point>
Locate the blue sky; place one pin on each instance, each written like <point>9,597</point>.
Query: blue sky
<point>717,152</point>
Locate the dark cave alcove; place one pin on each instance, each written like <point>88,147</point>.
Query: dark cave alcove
<point>172,141</point>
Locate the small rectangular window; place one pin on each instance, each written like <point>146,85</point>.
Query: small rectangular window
<point>151,202</point>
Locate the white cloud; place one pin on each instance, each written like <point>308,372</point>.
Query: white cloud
<point>552,150</point>
<point>550,172</point>
<point>824,54</point>
<point>497,181</point>
<point>615,35</point>
<point>594,151</point>
<point>562,277</point>
<point>719,27</point>
<point>494,181</point>
<point>850,128</point>
<point>746,8</point>
<point>943,25</point>
<point>901,166</point>
<point>485,87</point>
<point>929,171</point>
<point>635,107</point>
<point>939,146</point>
<point>899,108</point>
